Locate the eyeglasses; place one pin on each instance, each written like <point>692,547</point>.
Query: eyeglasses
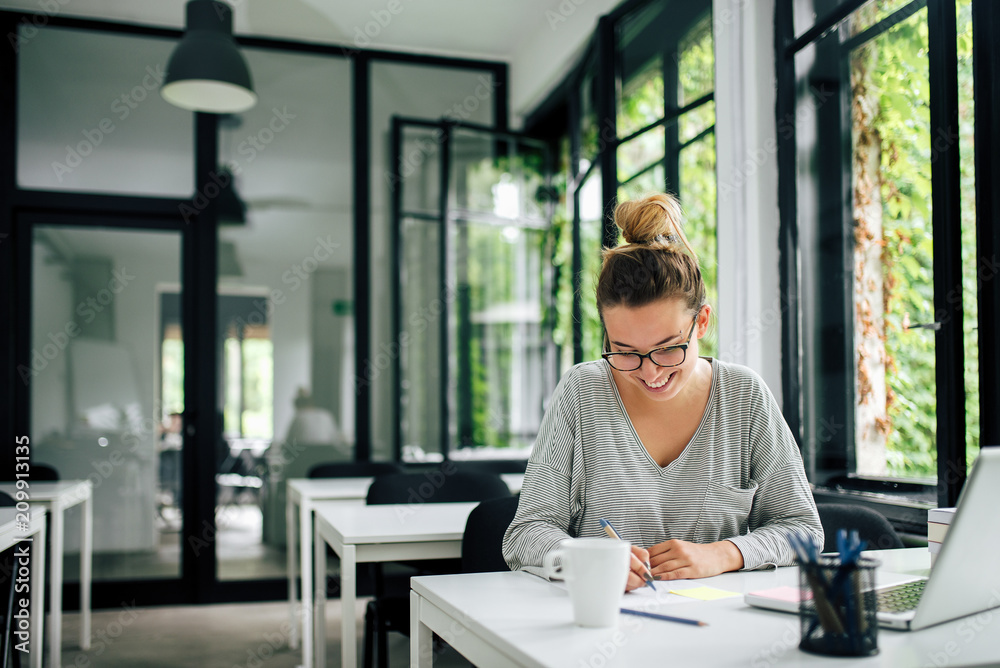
<point>667,356</point>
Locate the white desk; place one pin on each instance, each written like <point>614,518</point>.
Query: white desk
<point>503,619</point>
<point>10,535</point>
<point>304,493</point>
<point>360,534</point>
<point>57,497</point>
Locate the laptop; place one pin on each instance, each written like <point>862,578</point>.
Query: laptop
<point>965,579</point>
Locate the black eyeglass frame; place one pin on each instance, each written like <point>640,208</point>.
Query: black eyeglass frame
<point>679,346</point>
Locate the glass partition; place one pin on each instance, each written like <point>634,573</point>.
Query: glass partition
<point>285,299</point>
<point>90,117</point>
<point>433,94</point>
<point>100,346</point>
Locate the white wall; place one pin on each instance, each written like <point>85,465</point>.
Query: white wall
<point>750,308</point>
<point>550,48</point>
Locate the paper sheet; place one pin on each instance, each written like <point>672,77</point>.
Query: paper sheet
<point>704,593</point>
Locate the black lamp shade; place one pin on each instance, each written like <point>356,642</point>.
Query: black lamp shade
<point>206,71</point>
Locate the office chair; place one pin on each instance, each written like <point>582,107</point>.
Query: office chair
<point>353,469</point>
<point>44,472</point>
<point>7,641</point>
<point>492,465</point>
<point>872,526</point>
<point>482,542</point>
<point>390,610</point>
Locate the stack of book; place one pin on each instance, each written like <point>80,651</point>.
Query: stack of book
<point>938,520</point>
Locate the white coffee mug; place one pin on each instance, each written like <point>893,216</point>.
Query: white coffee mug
<point>595,571</point>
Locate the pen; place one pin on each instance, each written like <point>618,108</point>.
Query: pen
<point>610,530</point>
<point>666,618</point>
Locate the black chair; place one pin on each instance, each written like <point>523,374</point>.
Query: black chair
<point>390,609</point>
<point>872,526</point>
<point>7,641</point>
<point>492,465</point>
<point>44,472</point>
<point>482,543</point>
<point>353,469</point>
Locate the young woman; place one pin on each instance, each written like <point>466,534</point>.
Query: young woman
<point>688,457</point>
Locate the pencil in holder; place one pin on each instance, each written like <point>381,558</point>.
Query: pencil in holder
<point>838,614</point>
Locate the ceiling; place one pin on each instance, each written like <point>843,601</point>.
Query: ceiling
<point>473,28</point>
<point>71,81</point>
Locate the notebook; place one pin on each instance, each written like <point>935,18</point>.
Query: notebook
<point>965,579</point>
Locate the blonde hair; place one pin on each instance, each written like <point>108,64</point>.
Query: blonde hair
<point>655,262</point>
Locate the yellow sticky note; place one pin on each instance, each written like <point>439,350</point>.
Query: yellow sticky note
<point>704,593</point>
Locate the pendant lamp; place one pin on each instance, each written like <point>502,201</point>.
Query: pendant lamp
<point>207,72</point>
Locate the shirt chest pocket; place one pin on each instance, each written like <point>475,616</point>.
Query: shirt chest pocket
<point>725,510</point>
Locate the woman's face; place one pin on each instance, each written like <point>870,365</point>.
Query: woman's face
<point>657,325</point>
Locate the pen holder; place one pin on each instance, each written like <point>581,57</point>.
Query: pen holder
<point>838,609</point>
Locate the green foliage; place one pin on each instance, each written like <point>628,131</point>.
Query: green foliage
<point>901,80</point>
<point>172,369</point>
<point>696,62</point>
<point>502,274</point>
<point>641,101</point>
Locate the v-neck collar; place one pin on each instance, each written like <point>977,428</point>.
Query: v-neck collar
<point>635,435</point>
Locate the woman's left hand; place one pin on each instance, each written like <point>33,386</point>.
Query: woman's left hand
<point>681,560</point>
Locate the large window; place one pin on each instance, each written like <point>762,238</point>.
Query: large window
<point>641,120</point>
<point>883,164</point>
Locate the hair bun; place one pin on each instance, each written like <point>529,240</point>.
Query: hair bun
<point>655,218</point>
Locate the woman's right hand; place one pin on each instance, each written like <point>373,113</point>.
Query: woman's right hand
<point>637,572</point>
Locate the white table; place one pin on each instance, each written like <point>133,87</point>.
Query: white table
<point>304,494</point>
<point>57,497</point>
<point>360,534</point>
<point>12,533</point>
<point>503,619</point>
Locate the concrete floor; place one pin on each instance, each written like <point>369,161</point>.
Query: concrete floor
<point>243,635</point>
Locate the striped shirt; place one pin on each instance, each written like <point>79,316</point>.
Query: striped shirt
<point>739,478</point>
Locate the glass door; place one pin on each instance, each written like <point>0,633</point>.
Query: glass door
<point>100,370</point>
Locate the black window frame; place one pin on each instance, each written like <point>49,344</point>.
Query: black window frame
<point>829,462</point>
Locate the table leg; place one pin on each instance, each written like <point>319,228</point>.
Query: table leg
<point>306,571</point>
<point>86,570</point>
<point>348,598</point>
<point>55,588</point>
<point>421,638</point>
<point>319,596</point>
<point>38,599</point>
<point>293,594</point>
